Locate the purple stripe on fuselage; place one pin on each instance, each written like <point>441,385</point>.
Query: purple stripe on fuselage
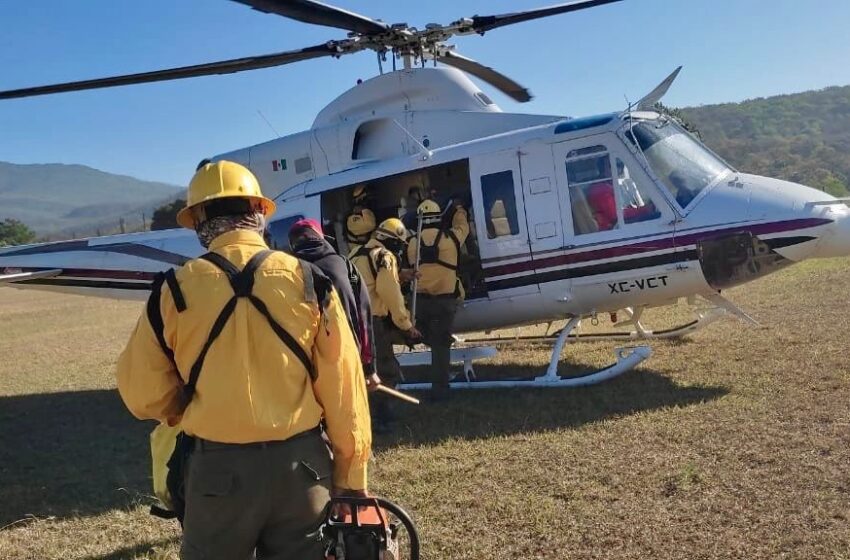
<point>132,249</point>
<point>649,246</point>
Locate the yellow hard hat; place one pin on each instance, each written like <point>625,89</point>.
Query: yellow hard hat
<point>392,228</point>
<point>361,222</point>
<point>359,193</point>
<point>428,207</point>
<point>221,180</point>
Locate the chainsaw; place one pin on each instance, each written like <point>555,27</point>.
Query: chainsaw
<point>364,531</point>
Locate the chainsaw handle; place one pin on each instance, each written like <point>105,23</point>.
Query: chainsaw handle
<point>387,505</point>
<point>407,521</point>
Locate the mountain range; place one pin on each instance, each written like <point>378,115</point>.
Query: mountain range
<point>55,199</point>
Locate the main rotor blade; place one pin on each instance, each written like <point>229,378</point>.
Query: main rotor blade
<point>654,96</point>
<point>500,81</point>
<point>310,11</point>
<point>486,23</point>
<point>222,67</point>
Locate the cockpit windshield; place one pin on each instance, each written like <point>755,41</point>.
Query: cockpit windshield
<point>684,165</point>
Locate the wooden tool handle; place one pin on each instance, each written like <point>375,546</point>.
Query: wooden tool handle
<point>397,394</point>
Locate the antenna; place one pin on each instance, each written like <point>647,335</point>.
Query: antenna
<point>262,116</point>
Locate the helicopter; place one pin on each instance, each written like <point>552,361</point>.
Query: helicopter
<point>570,217</point>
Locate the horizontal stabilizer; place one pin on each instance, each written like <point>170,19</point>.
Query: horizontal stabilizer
<point>21,276</point>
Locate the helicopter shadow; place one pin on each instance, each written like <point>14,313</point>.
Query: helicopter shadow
<point>485,413</point>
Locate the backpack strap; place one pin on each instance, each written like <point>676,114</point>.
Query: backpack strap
<point>436,246</point>
<point>176,292</point>
<point>154,312</point>
<point>353,278</point>
<point>223,264</point>
<point>242,283</point>
<point>367,252</point>
<point>307,272</point>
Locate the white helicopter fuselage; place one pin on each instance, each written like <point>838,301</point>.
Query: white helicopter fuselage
<point>570,217</point>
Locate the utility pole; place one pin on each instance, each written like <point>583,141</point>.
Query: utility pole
<point>144,222</point>
<point>121,225</point>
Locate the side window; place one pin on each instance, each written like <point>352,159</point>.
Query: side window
<point>497,191</point>
<point>277,232</point>
<point>592,196</point>
<point>636,203</point>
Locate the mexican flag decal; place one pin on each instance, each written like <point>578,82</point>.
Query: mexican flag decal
<point>279,165</point>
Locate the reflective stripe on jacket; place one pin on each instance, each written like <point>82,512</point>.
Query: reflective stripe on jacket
<point>436,279</point>
<point>252,387</point>
<point>384,288</point>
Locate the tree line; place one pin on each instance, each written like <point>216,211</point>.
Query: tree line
<point>803,138</point>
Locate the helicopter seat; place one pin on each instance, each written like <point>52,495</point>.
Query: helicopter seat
<point>583,220</point>
<point>499,219</point>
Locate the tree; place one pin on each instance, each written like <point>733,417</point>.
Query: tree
<point>165,217</point>
<point>679,117</point>
<point>15,232</point>
<point>832,185</point>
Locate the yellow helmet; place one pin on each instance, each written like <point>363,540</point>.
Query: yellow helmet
<point>361,222</point>
<point>359,193</point>
<point>392,228</point>
<point>220,180</point>
<point>428,207</point>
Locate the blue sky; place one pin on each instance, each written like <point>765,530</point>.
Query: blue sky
<point>574,64</point>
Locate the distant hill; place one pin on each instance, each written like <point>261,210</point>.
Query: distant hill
<point>803,137</point>
<point>57,200</point>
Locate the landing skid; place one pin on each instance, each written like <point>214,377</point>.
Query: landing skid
<point>704,317</point>
<point>627,358</point>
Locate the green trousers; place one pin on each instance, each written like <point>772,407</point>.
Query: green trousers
<point>386,335</point>
<point>435,316</point>
<point>265,498</point>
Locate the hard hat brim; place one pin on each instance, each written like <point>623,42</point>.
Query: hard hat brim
<point>186,219</point>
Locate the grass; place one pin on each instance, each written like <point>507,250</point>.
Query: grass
<point>731,443</point>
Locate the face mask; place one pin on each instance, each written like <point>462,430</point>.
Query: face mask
<point>210,229</point>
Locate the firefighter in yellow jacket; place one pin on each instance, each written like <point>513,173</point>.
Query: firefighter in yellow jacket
<point>250,351</point>
<point>377,262</point>
<point>439,288</point>
<point>361,223</point>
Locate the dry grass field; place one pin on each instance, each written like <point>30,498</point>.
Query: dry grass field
<point>731,443</point>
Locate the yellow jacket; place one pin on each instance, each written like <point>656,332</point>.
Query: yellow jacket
<point>437,279</point>
<point>385,289</point>
<point>252,387</point>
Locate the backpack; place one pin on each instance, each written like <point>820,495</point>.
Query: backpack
<point>430,254</point>
<point>170,446</point>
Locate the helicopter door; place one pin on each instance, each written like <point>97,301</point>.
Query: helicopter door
<point>541,200</point>
<point>502,232</point>
<point>604,195</point>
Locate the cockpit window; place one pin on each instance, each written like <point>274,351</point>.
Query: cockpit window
<point>684,165</point>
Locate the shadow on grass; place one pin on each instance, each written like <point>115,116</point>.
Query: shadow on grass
<point>484,413</point>
<point>131,552</point>
<point>81,453</point>
<point>74,453</point>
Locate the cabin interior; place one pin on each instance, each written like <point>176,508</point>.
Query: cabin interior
<point>399,196</point>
